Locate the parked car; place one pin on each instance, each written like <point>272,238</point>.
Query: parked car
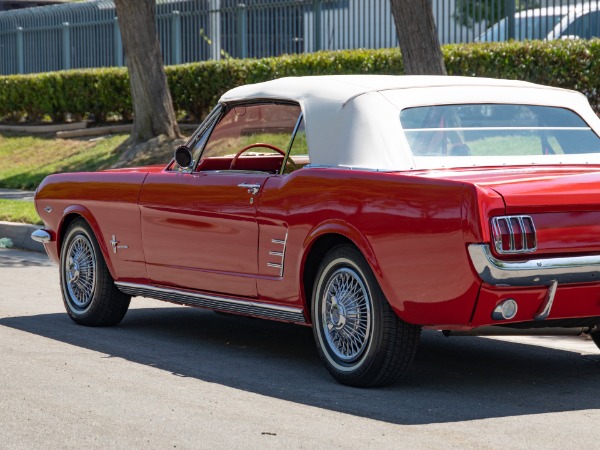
<point>558,22</point>
<point>367,207</point>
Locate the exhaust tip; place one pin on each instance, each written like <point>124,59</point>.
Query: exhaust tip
<point>506,309</point>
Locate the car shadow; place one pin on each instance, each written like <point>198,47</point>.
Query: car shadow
<point>17,259</point>
<point>452,379</point>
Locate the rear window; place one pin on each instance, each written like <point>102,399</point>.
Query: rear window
<point>496,130</point>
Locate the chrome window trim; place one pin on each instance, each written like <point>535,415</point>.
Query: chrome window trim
<point>206,128</point>
<point>533,272</point>
<point>291,143</point>
<point>224,108</point>
<point>216,112</point>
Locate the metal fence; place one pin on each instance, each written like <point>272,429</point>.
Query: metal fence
<point>86,34</point>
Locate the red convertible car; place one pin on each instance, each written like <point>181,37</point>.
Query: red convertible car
<point>367,207</point>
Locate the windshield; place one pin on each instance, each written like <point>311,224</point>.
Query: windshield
<point>496,130</point>
<point>532,27</point>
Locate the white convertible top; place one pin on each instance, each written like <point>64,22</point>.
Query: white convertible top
<point>354,120</point>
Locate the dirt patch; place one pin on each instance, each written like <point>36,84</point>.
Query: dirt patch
<point>155,151</point>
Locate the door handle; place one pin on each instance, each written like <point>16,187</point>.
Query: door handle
<point>252,188</point>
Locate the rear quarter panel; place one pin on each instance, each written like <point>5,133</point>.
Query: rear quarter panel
<point>412,231</point>
<point>108,202</point>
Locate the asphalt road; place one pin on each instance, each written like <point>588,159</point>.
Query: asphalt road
<point>176,377</point>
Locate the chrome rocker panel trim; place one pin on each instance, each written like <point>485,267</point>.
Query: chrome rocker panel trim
<point>245,307</point>
<point>41,236</point>
<point>533,272</point>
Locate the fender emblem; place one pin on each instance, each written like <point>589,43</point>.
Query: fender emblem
<point>115,244</point>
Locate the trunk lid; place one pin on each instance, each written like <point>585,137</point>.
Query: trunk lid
<point>564,202</point>
<point>535,189</point>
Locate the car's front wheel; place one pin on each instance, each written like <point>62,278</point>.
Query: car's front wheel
<point>88,290</point>
<point>359,337</point>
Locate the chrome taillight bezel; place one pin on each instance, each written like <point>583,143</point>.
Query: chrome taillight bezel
<point>508,222</point>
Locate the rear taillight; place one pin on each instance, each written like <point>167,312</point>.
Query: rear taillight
<point>514,234</point>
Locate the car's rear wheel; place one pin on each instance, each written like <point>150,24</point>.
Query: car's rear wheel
<point>359,337</point>
<point>88,290</point>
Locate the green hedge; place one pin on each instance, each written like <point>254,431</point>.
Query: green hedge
<point>78,92</point>
<point>571,64</point>
<point>196,87</point>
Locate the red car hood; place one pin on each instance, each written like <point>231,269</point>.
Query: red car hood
<point>535,189</point>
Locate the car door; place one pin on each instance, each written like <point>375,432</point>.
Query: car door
<point>199,226</point>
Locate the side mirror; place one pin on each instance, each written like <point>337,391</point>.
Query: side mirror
<point>183,156</point>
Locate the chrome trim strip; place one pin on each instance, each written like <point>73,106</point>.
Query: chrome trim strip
<point>280,254</point>
<point>533,272</point>
<point>505,330</point>
<point>285,313</point>
<point>546,307</point>
<point>41,236</point>
<point>291,143</point>
<point>497,129</point>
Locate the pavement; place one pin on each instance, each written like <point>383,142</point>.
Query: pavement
<point>174,377</point>
<point>19,233</point>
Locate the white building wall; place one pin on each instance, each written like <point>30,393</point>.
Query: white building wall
<point>344,25</point>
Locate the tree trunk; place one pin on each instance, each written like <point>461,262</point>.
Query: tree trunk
<point>417,35</point>
<point>152,105</point>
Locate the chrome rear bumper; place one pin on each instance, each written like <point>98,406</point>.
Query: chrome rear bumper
<point>533,272</point>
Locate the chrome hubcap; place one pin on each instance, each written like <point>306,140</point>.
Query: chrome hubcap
<point>80,270</point>
<point>73,271</point>
<point>346,315</point>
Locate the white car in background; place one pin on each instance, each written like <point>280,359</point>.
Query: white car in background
<point>551,23</point>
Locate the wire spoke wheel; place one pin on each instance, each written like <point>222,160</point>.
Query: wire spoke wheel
<point>360,339</point>
<point>346,314</point>
<point>89,293</point>
<point>80,271</point>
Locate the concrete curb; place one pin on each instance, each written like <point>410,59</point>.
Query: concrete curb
<point>99,131</point>
<point>20,235</point>
<point>50,128</point>
<point>110,129</point>
<point>17,194</point>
